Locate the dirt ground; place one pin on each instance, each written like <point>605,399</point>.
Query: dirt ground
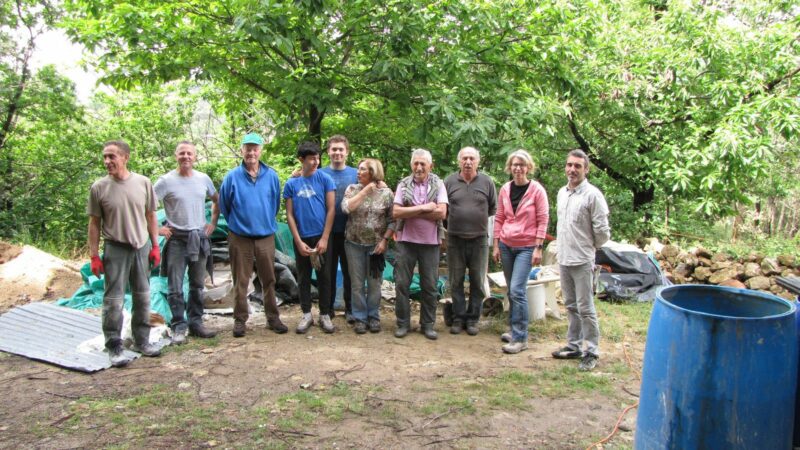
<point>282,391</point>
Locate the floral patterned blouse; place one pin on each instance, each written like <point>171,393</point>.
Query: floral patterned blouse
<point>368,223</point>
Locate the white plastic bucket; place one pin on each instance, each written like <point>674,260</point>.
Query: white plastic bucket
<point>536,302</point>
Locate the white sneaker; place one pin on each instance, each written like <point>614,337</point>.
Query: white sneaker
<point>305,323</point>
<point>505,337</point>
<point>326,324</point>
<point>515,347</point>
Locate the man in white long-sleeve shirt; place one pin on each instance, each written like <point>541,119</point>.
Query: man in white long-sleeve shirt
<point>582,228</point>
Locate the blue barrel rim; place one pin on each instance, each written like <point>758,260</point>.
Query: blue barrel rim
<point>750,292</point>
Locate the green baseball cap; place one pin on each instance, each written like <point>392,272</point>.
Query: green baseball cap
<point>252,138</point>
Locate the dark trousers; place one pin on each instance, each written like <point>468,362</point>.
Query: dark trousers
<point>408,255</point>
<point>126,266</point>
<point>177,262</point>
<point>304,269</point>
<point>339,255</point>
<point>244,251</point>
<point>467,255</point>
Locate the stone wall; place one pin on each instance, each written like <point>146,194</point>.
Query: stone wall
<point>701,266</point>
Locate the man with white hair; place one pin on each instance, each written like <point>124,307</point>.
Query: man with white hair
<point>420,206</point>
<point>473,199</point>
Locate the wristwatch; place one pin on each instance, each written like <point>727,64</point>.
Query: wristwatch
<point>538,246</point>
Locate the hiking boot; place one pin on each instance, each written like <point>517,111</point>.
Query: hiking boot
<point>588,362</point>
<point>117,356</point>
<point>326,324</point>
<point>506,337</point>
<point>374,326</point>
<point>472,328</point>
<point>148,349</point>
<point>277,326</point>
<point>201,331</point>
<point>305,323</point>
<point>360,327</point>
<point>456,327</point>
<point>349,318</point>
<point>515,347</point>
<point>429,332</point>
<point>179,337</point>
<point>567,353</point>
<point>239,329</point>
<point>401,331</point>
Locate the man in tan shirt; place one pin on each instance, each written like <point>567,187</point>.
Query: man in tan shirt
<point>122,208</point>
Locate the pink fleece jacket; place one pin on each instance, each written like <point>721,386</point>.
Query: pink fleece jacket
<point>530,221</point>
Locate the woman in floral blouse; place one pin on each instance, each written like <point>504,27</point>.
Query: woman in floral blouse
<point>369,205</point>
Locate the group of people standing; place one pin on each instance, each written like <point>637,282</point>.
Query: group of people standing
<point>341,215</point>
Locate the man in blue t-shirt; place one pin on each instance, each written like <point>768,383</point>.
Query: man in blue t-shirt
<point>310,211</point>
<point>343,176</point>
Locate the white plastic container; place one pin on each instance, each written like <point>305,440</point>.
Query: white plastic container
<point>536,302</point>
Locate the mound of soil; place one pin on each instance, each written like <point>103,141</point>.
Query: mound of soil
<point>28,274</point>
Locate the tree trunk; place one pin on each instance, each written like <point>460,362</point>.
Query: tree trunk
<point>315,123</point>
<point>643,197</point>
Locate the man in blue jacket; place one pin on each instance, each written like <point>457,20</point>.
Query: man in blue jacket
<point>249,199</point>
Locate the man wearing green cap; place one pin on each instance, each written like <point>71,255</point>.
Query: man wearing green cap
<point>249,199</point>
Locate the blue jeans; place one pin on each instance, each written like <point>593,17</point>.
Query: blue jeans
<point>177,262</point>
<point>366,299</point>
<point>126,267</point>
<point>462,255</point>
<point>517,268</point>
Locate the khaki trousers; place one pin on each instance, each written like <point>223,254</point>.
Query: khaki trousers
<point>244,251</point>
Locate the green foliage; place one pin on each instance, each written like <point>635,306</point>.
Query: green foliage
<point>687,110</point>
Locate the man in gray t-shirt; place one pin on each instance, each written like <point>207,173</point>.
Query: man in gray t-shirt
<point>121,209</point>
<point>183,192</point>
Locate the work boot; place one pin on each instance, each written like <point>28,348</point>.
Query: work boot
<point>429,332</point>
<point>179,336</point>
<point>515,347</point>
<point>349,318</point>
<point>472,328</point>
<point>326,324</point>
<point>360,327</point>
<point>239,329</point>
<point>456,327</point>
<point>374,326</point>
<point>147,349</point>
<point>201,331</point>
<point>305,323</point>
<point>401,331</point>
<point>277,326</point>
<point>117,356</point>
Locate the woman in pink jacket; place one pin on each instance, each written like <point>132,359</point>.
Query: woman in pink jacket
<point>519,229</point>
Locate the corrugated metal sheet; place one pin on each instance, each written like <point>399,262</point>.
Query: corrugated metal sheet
<point>51,333</point>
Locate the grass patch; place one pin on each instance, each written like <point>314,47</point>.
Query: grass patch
<point>159,411</point>
<point>304,407</point>
<point>623,320</point>
<point>567,380</point>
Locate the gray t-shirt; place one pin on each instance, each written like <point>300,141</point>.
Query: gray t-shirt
<point>184,198</point>
<point>121,207</point>
<point>471,204</point>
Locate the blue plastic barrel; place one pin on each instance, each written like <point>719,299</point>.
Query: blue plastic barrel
<point>720,370</point>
